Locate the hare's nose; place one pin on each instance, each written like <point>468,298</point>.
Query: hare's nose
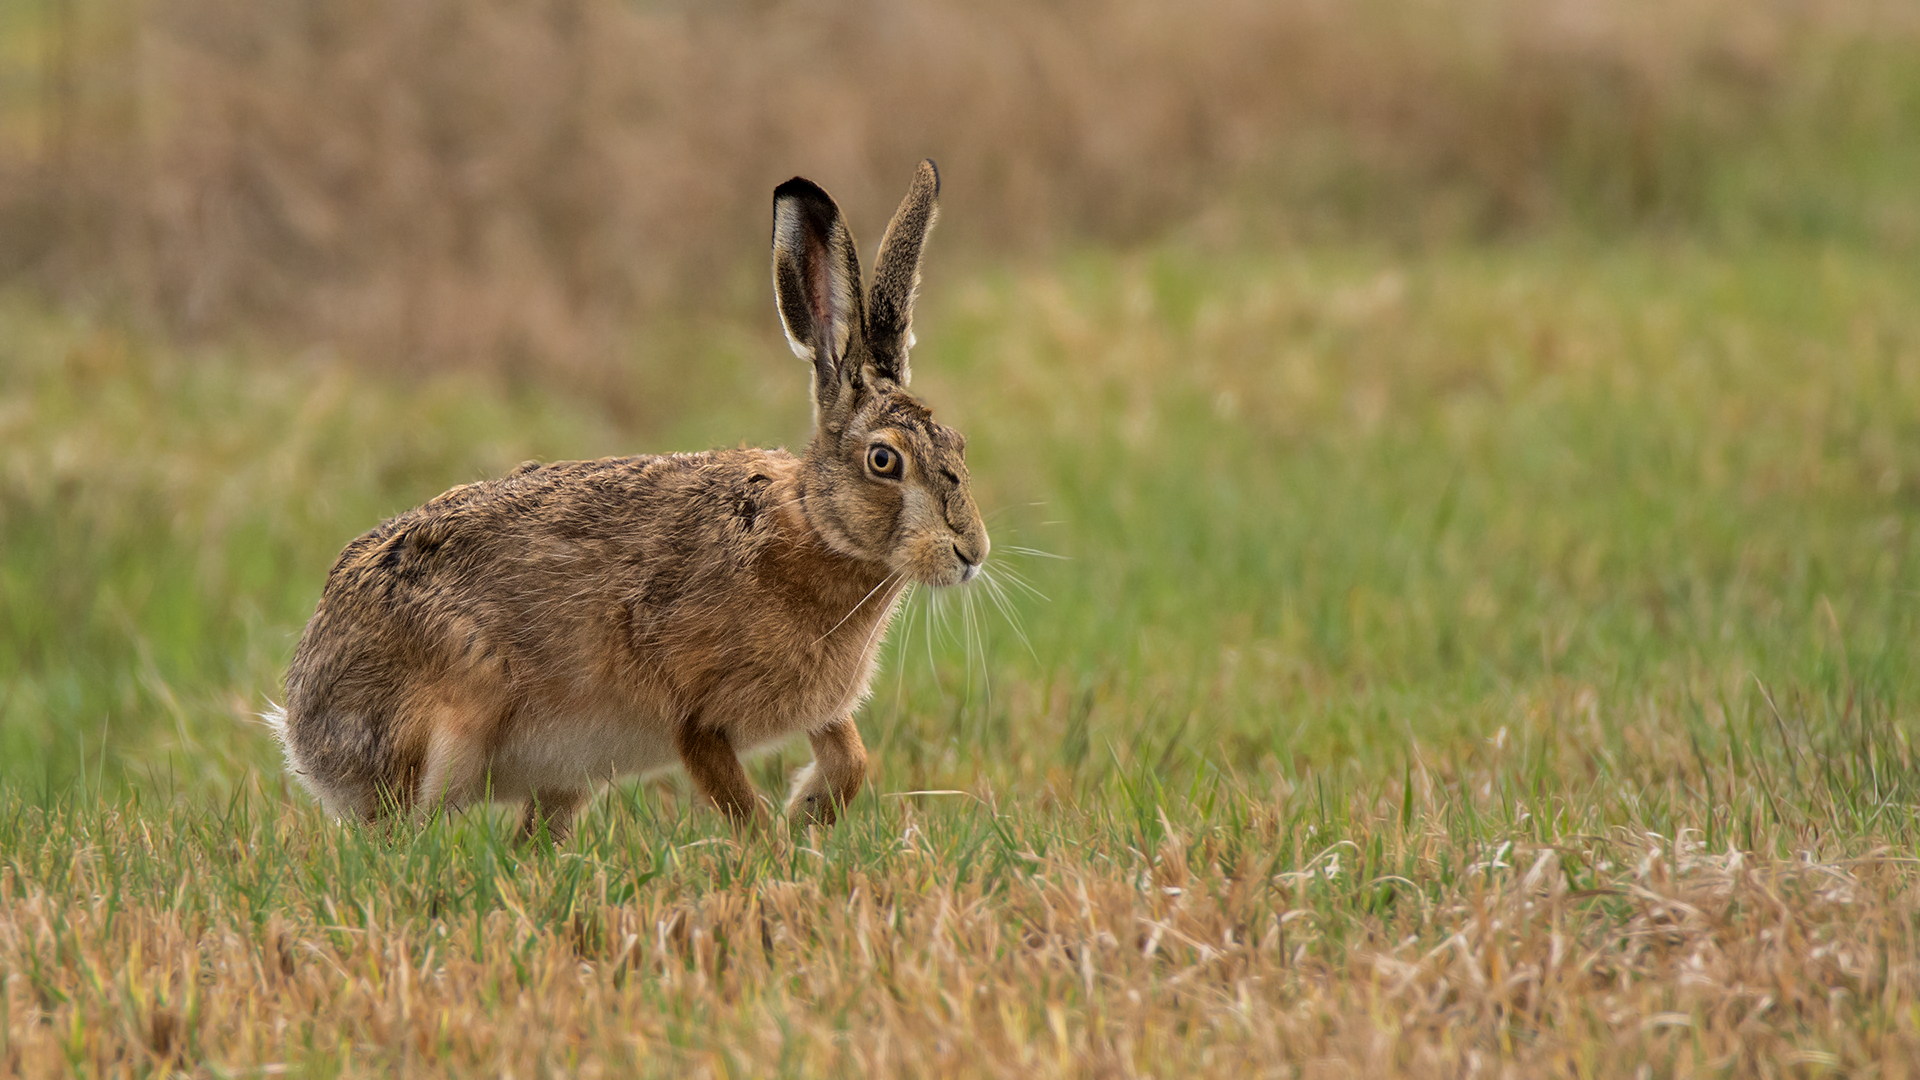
<point>968,566</point>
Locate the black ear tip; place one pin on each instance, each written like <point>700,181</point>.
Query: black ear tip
<point>800,188</point>
<point>927,164</point>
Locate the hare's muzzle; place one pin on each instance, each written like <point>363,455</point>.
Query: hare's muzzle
<point>969,567</point>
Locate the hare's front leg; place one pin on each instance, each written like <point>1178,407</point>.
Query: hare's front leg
<point>834,777</point>
<point>715,770</point>
<point>552,809</point>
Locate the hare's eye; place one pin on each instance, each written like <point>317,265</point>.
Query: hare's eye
<point>884,461</point>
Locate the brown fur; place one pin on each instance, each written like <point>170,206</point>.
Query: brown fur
<point>529,637</point>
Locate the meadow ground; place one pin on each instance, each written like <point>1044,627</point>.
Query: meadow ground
<point>1493,660</point>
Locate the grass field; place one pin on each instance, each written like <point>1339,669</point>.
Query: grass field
<point>1497,659</point>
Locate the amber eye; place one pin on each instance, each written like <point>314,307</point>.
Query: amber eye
<point>883,460</point>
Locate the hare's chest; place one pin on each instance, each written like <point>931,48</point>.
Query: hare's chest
<point>770,693</point>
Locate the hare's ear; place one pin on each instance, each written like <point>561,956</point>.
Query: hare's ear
<point>896,276</point>
<point>816,279</point>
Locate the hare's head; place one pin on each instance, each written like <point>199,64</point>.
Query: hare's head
<point>883,481</point>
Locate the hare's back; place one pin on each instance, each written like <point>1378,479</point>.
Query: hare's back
<point>544,534</point>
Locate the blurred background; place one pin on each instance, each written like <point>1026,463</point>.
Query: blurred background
<point>1377,367</point>
<point>515,185</point>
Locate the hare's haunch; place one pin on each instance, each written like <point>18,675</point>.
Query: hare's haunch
<point>530,637</point>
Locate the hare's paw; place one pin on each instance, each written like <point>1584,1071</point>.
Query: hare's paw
<point>551,811</point>
<point>811,800</point>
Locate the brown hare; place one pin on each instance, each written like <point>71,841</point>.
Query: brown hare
<point>530,637</point>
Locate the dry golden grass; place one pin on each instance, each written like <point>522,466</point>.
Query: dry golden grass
<point>950,942</point>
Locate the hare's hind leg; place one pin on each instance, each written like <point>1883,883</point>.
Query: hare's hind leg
<point>453,775</point>
<point>710,761</point>
<point>458,729</point>
<point>834,777</point>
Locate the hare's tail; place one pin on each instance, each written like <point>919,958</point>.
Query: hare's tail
<point>275,717</point>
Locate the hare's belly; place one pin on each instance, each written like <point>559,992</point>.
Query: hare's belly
<point>574,752</point>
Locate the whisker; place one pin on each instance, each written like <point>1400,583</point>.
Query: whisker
<point>1000,600</point>
<point>948,608</point>
<point>843,619</point>
<point>932,609</point>
<point>1037,553</point>
<point>878,626</point>
<point>1019,581</point>
<point>954,608</point>
<point>977,626</point>
<point>908,595</point>
<point>966,644</point>
<point>996,512</point>
<point>966,637</point>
